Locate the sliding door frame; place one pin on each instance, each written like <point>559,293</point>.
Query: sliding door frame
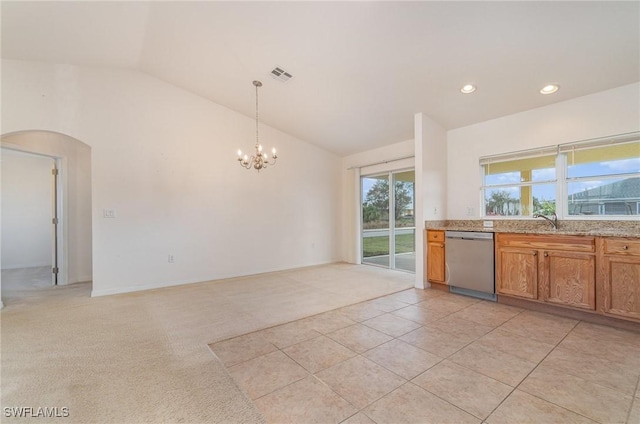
<point>392,212</point>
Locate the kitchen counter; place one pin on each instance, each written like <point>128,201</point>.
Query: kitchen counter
<point>540,226</point>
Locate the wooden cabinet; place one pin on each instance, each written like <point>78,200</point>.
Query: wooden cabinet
<point>569,279</point>
<point>517,272</point>
<point>557,269</point>
<point>436,268</point>
<point>619,277</point>
<point>594,274</point>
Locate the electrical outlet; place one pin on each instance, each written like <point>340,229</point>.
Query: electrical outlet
<point>171,259</point>
<point>470,211</point>
<point>488,224</point>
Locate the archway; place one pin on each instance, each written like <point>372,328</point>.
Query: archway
<point>74,232</point>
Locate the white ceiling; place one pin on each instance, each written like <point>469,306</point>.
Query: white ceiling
<point>361,69</point>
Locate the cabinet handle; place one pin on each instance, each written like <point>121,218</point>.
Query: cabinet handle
<point>442,245</point>
<point>534,253</point>
<point>546,254</point>
<point>625,247</point>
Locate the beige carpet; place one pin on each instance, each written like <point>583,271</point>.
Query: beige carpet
<point>143,357</point>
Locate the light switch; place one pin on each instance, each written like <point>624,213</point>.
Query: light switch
<point>108,213</point>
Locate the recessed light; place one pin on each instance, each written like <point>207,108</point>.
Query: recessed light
<point>468,88</point>
<point>549,89</point>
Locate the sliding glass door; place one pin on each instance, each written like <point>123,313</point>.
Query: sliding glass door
<point>404,228</point>
<point>375,220</point>
<point>388,222</point>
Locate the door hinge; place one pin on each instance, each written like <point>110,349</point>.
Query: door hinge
<point>54,221</point>
<point>54,171</point>
<point>54,270</point>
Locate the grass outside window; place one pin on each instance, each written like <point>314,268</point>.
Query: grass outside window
<point>379,245</point>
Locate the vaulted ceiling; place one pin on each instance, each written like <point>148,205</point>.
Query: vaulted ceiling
<point>361,70</point>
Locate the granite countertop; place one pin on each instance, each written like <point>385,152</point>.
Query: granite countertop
<point>531,226</point>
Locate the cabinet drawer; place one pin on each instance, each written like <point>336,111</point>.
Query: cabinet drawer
<point>435,235</point>
<point>624,246</point>
<point>547,242</point>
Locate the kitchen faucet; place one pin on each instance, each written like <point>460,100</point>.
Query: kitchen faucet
<point>553,222</point>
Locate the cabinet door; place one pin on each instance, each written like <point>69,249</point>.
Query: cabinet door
<point>621,290</point>
<point>569,279</point>
<point>435,262</point>
<point>517,272</point>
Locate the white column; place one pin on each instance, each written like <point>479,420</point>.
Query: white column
<point>431,183</point>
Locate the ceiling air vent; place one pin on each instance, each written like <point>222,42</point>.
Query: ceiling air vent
<point>280,74</point>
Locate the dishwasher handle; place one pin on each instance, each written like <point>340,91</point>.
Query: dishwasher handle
<point>469,235</point>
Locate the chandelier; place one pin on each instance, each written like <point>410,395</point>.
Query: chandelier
<point>259,159</point>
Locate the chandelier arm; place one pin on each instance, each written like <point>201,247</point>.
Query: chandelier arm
<point>252,160</point>
<point>248,164</point>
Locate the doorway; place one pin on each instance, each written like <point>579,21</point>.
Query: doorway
<point>73,158</point>
<point>29,220</point>
<point>388,220</point>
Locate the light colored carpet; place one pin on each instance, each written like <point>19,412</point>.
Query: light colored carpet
<point>143,357</point>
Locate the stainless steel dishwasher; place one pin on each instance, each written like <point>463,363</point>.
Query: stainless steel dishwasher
<point>470,263</point>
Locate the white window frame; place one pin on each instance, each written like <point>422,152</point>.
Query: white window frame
<point>561,180</point>
<point>523,154</point>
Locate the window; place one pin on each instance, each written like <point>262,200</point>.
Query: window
<point>592,178</point>
<point>603,180</point>
<point>521,186</point>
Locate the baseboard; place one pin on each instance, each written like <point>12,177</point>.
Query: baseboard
<point>132,289</point>
<point>591,317</point>
<point>438,286</point>
<point>165,284</point>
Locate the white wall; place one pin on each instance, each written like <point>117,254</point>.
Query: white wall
<point>75,182</point>
<point>27,204</point>
<point>602,114</point>
<point>164,160</point>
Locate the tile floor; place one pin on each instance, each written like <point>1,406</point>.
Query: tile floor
<point>142,357</point>
<point>426,356</point>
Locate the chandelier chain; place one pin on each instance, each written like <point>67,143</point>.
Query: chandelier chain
<point>257,116</point>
